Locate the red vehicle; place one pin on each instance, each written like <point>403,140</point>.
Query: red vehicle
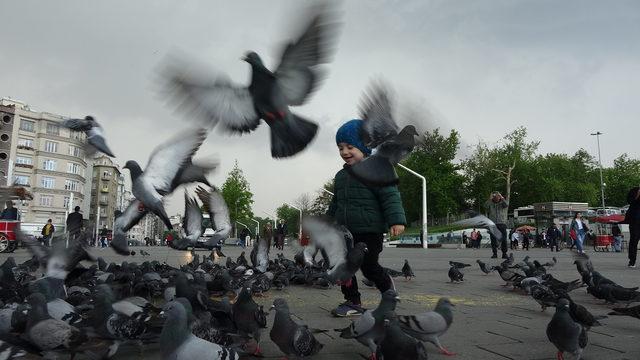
<point>604,236</point>
<point>8,241</point>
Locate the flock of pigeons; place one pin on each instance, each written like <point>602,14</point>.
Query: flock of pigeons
<point>571,322</point>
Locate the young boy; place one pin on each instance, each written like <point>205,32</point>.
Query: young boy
<point>367,212</point>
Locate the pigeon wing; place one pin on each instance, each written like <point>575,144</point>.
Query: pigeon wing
<point>423,324</point>
<point>77,124</point>
<point>376,111</point>
<point>363,324</point>
<point>297,74</point>
<point>214,203</point>
<point>303,341</point>
<point>327,237</point>
<point>192,224</point>
<point>480,221</point>
<point>167,159</point>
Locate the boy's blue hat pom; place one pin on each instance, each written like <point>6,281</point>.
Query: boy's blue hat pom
<point>349,133</point>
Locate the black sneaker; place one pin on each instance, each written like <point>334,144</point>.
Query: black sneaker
<point>347,308</point>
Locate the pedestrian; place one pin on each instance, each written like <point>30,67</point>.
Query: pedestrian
<point>632,217</point>
<point>515,238</point>
<point>281,233</point>
<point>478,240</point>
<point>267,234</point>
<point>243,237</point>
<point>526,239</point>
<point>474,238</point>
<point>47,232</point>
<point>465,239</point>
<point>367,212</point>
<point>554,236</point>
<point>74,223</point>
<point>617,237</point>
<point>579,230</point>
<point>103,236</point>
<point>497,207</point>
<point>10,212</point>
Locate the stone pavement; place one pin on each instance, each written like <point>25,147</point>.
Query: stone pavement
<point>490,322</point>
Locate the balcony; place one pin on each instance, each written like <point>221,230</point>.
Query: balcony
<point>104,190</point>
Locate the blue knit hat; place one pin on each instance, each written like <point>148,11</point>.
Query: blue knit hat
<point>349,133</point>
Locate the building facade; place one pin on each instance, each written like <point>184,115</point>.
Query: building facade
<point>104,191</point>
<point>46,158</point>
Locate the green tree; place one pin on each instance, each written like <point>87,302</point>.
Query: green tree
<point>433,157</point>
<point>238,196</point>
<point>320,204</point>
<point>624,175</point>
<point>291,216</point>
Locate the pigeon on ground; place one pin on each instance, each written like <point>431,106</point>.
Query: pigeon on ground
<point>483,267</point>
<point>94,132</point>
<point>510,277</point>
<point>144,253</point>
<point>566,334</point>
<point>291,338</point>
<point>163,172</point>
<point>544,296</point>
<point>633,311</point>
<point>480,221</point>
<point>336,245</point>
<point>407,272</point>
<point>431,325</point>
<point>381,133</point>
<point>191,225</point>
<point>214,98</point>
<point>214,204</point>
<point>47,333</point>
<point>458,265</point>
<point>551,263</point>
<point>178,343</point>
<point>260,255</point>
<point>455,275</point>
<point>249,317</point>
<point>368,329</point>
<point>397,345</point>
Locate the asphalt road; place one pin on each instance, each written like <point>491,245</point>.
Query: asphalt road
<point>490,321</point>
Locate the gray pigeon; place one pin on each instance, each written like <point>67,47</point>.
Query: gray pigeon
<point>178,343</point>
<point>191,225</point>
<point>249,318</point>
<point>480,221</point>
<point>163,172</point>
<point>132,215</point>
<point>369,329</point>
<point>94,132</point>
<point>483,267</point>
<point>47,333</point>
<point>291,338</point>
<point>397,345</point>
<point>381,133</point>
<point>431,325</point>
<point>214,204</point>
<point>260,255</point>
<point>336,245</point>
<point>455,275</point>
<point>566,334</point>
<point>215,98</point>
<point>407,272</point>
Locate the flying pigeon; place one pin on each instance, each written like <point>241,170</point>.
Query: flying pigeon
<point>407,272</point>
<point>397,345</point>
<point>132,215</point>
<point>260,254</point>
<point>191,225</point>
<point>94,132</point>
<point>381,133</point>
<point>431,325</point>
<point>483,267</point>
<point>566,334</point>
<point>291,338</point>
<point>368,329</point>
<point>214,98</point>
<point>214,204</point>
<point>178,343</point>
<point>336,245</point>
<point>480,221</point>
<point>455,275</point>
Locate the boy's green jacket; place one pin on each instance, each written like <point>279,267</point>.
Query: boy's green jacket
<point>365,209</point>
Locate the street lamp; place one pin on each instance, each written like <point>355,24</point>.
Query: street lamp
<point>327,191</point>
<point>597,135</point>
<point>424,204</point>
<point>257,226</point>
<point>299,222</point>
<point>271,216</point>
<point>236,216</point>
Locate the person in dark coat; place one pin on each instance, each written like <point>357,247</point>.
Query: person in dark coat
<point>632,217</point>
<point>554,236</point>
<point>10,213</point>
<point>74,223</point>
<point>281,233</point>
<point>267,234</point>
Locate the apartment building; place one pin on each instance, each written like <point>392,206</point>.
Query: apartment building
<point>104,191</point>
<point>47,158</point>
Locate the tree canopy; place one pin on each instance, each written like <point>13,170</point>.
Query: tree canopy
<point>238,196</point>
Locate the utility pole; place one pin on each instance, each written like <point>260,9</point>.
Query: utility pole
<point>597,135</point>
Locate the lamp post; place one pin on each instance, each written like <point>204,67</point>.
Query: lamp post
<point>597,135</point>
<point>273,217</point>
<point>241,240</point>
<point>257,226</point>
<point>236,216</point>
<point>299,222</point>
<point>424,204</point>
<point>327,191</point>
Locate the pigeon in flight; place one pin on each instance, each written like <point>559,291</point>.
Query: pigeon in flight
<point>127,219</point>
<point>483,266</point>
<point>291,338</point>
<point>94,132</point>
<point>566,334</point>
<point>192,224</point>
<point>381,133</point>
<point>214,204</point>
<point>480,221</point>
<point>166,164</point>
<point>214,98</point>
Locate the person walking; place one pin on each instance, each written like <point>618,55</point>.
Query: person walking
<point>465,239</point>
<point>515,239</point>
<point>103,236</point>
<point>579,228</point>
<point>496,208</point>
<point>267,234</point>
<point>554,236</point>
<point>281,233</point>
<point>243,237</point>
<point>632,218</point>
<point>526,239</point>
<point>74,223</point>
<point>47,232</point>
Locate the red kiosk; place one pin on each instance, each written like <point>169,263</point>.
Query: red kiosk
<point>8,228</point>
<point>604,236</point>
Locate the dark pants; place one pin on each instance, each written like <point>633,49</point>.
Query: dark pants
<point>503,244</point>
<point>525,243</point>
<point>370,268</point>
<point>634,236</point>
<point>553,242</point>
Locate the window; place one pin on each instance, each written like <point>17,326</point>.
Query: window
<point>27,125</point>
<point>71,185</point>
<point>94,185</point>
<point>24,160</point>
<point>74,151</point>
<point>53,129</point>
<point>103,198</point>
<point>48,182</point>
<point>73,168</point>
<point>46,200</point>
<point>65,203</point>
<point>24,142</point>
<point>78,135</point>
<point>21,180</point>
<point>50,146</point>
<point>49,165</point>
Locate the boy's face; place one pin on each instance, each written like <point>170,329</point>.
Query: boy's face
<point>349,153</point>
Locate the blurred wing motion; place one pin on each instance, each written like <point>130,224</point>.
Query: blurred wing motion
<point>130,217</point>
<point>334,243</point>
<point>480,221</point>
<point>214,204</point>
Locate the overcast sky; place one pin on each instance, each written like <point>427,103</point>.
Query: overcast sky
<point>561,68</point>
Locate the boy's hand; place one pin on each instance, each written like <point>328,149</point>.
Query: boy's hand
<point>396,230</point>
